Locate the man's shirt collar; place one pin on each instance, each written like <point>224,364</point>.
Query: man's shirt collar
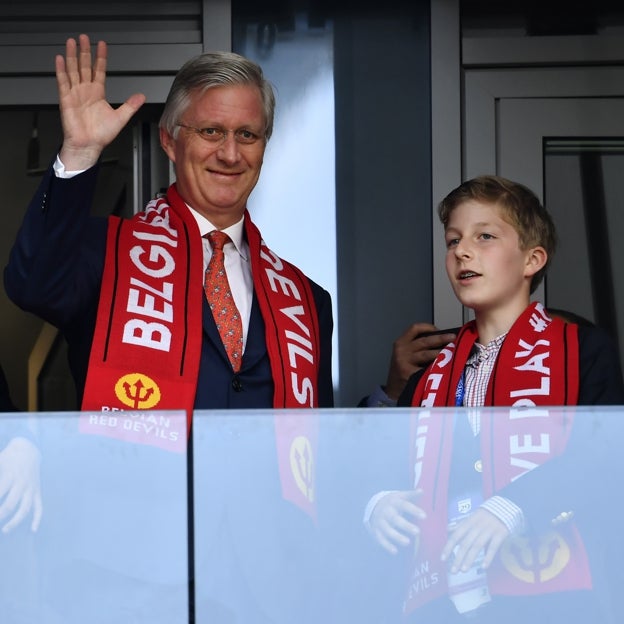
<point>235,232</point>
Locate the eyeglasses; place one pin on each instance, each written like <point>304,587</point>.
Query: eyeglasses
<point>217,136</point>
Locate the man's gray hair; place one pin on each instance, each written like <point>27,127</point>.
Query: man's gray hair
<point>215,69</point>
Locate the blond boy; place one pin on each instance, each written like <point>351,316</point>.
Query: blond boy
<point>467,503</point>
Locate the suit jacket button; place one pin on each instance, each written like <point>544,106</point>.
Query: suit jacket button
<point>237,385</point>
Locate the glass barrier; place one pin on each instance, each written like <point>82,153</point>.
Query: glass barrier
<point>289,516</point>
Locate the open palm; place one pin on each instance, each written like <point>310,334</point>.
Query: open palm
<point>89,122</point>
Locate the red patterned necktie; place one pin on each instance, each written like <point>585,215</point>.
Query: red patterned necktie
<point>219,295</point>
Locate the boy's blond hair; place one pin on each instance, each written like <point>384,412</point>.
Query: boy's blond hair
<point>520,207</point>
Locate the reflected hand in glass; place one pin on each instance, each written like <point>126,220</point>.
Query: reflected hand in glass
<point>393,521</point>
<point>20,485</point>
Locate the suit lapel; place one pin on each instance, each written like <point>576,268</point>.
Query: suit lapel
<point>255,348</point>
<point>211,331</point>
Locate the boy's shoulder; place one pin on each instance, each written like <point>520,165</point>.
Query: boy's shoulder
<point>601,380</point>
<point>593,338</point>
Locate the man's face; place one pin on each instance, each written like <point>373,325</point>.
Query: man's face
<point>216,178</point>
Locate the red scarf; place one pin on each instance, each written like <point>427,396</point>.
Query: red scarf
<point>537,366</point>
<point>147,342</point>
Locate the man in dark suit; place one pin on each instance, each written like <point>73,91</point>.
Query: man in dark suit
<point>215,134</point>
<point>129,294</point>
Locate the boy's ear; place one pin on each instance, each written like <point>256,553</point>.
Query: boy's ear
<point>536,260</point>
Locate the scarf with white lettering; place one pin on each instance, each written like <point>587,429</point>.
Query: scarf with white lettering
<point>148,337</point>
<point>537,366</point>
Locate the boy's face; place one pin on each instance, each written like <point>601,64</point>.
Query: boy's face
<point>485,265</point>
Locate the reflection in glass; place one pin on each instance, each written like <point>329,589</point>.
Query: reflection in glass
<point>278,507</point>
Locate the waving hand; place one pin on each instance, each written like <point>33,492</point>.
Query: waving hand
<point>89,122</point>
